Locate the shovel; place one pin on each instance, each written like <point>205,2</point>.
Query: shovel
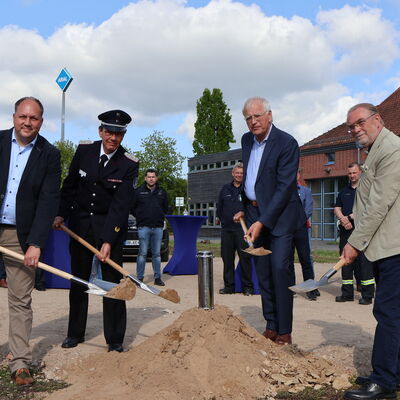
<point>92,288</point>
<point>259,251</point>
<point>311,284</point>
<point>169,294</point>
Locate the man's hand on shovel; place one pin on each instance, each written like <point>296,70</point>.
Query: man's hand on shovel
<point>349,253</point>
<point>254,231</point>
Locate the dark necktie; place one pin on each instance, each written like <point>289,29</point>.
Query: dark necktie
<point>103,160</point>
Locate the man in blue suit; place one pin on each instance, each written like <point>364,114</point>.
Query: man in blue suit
<point>273,212</point>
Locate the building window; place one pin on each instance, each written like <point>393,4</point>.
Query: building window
<point>324,193</point>
<point>205,210</point>
<point>330,158</point>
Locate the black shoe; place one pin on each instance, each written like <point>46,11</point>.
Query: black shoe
<point>40,286</point>
<point>312,295</point>
<point>140,279</point>
<point>159,282</point>
<point>370,391</point>
<point>317,292</point>
<point>226,291</point>
<point>71,342</point>
<point>342,299</point>
<point>363,301</point>
<point>248,292</point>
<point>364,380</point>
<point>116,347</point>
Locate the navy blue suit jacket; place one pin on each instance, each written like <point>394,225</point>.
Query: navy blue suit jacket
<point>38,192</point>
<point>279,205</point>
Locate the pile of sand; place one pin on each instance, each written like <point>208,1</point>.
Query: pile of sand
<point>202,355</point>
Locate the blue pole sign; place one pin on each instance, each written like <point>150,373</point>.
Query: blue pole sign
<point>64,79</point>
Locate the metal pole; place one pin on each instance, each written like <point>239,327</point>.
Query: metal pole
<point>205,279</point>
<point>62,116</point>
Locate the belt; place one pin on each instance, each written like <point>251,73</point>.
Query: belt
<point>253,203</point>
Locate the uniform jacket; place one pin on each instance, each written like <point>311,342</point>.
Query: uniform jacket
<point>279,205</point>
<point>229,203</point>
<point>100,202</point>
<point>38,192</point>
<point>149,207</point>
<point>377,204</point>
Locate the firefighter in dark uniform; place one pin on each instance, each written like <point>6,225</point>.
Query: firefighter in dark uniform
<point>95,200</point>
<point>361,266</point>
<point>230,203</point>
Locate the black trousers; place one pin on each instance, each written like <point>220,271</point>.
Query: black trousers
<point>275,273</point>
<point>231,242</point>
<point>114,311</point>
<point>302,245</point>
<point>365,271</point>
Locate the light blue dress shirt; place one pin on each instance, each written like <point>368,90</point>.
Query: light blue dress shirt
<point>256,153</point>
<point>18,158</point>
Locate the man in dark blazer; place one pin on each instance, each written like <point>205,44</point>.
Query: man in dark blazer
<point>95,200</point>
<point>273,212</point>
<point>29,195</point>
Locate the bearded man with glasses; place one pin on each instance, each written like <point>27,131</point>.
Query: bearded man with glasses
<point>377,229</point>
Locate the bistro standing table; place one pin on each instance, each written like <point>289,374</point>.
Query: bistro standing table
<point>186,229</point>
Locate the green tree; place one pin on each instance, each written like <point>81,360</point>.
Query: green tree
<point>67,150</point>
<point>159,152</point>
<point>213,127</point>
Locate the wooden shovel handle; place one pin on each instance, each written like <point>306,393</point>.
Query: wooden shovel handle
<point>340,264</point>
<point>41,265</point>
<point>94,250</point>
<point>244,227</point>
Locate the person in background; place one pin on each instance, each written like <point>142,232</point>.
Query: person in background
<point>95,200</point>
<point>344,213</point>
<point>302,238</point>
<point>229,203</point>
<point>30,174</point>
<point>149,206</point>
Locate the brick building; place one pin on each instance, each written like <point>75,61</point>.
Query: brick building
<point>206,176</point>
<point>323,162</point>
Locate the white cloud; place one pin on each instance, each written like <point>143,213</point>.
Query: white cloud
<point>154,59</point>
<point>363,40</point>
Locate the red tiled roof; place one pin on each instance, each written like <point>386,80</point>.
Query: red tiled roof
<point>389,110</point>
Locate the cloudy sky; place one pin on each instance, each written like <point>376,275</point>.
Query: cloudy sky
<point>312,59</point>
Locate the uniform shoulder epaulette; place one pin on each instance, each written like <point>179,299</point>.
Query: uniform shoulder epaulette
<point>131,157</point>
<point>86,141</point>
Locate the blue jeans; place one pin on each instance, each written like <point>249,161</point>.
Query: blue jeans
<point>149,236</point>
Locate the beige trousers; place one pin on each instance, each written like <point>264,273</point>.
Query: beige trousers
<point>20,281</point>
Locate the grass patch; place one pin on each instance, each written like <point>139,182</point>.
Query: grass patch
<point>325,393</point>
<point>319,255</point>
<point>10,391</point>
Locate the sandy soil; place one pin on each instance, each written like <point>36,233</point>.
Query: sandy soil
<point>158,330</point>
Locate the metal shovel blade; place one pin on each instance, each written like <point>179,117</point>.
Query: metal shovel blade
<point>308,285</point>
<point>143,286</point>
<point>94,289</point>
<point>312,284</point>
<point>257,251</point>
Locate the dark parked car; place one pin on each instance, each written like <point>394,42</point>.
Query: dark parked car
<point>130,247</point>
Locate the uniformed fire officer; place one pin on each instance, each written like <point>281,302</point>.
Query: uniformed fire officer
<point>230,203</point>
<point>95,200</point>
<point>344,213</point>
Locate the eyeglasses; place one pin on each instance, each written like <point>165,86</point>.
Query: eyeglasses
<point>255,116</point>
<point>360,123</point>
